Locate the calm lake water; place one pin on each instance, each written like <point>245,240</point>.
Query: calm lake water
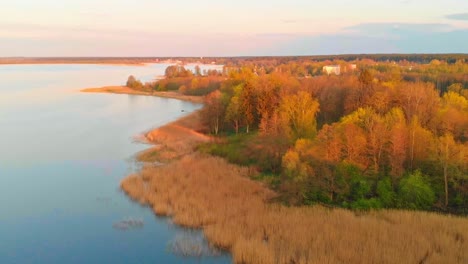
<point>62,156</point>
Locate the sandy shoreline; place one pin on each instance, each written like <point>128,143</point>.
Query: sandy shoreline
<point>125,90</point>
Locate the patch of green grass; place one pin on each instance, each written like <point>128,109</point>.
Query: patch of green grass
<point>234,148</point>
<point>239,149</point>
<point>271,179</point>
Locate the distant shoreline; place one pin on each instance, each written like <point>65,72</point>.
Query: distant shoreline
<point>76,63</point>
<point>4,61</point>
<point>125,90</point>
<point>96,61</point>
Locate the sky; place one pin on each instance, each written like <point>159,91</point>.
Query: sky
<point>43,28</point>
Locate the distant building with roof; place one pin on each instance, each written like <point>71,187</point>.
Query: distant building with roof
<point>336,69</point>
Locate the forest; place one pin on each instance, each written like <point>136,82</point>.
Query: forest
<point>386,132</point>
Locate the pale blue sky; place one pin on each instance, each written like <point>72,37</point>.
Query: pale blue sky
<point>217,28</point>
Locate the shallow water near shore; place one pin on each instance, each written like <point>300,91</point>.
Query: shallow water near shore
<point>62,156</point>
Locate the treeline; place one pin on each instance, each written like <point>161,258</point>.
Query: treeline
<point>370,138</point>
<point>177,78</point>
<point>439,72</point>
<point>244,60</point>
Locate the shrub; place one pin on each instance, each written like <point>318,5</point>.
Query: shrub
<point>360,187</point>
<point>345,173</point>
<point>366,204</point>
<point>386,193</point>
<point>133,83</point>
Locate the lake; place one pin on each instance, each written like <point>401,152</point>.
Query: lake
<point>62,156</point>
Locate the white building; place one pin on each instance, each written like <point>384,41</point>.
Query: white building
<point>336,69</point>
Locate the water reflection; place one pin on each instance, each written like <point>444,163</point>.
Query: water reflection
<point>129,223</point>
<point>192,244</point>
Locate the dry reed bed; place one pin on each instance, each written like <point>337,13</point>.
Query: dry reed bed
<point>206,192</point>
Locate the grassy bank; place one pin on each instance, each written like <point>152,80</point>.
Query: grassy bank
<point>174,140</point>
<point>236,213</point>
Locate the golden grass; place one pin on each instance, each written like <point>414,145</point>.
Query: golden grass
<point>126,90</point>
<point>206,192</point>
<point>113,89</point>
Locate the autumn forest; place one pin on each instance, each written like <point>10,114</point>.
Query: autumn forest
<point>379,133</point>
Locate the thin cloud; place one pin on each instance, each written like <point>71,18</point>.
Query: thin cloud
<point>363,38</point>
<point>458,16</point>
<point>400,27</point>
<point>395,31</point>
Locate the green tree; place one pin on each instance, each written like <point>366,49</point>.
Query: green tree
<point>133,83</point>
<point>415,192</point>
<point>360,187</point>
